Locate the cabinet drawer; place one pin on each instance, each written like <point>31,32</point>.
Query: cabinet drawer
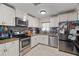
<point>12,44</point>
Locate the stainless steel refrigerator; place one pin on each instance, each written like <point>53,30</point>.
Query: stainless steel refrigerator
<point>68,37</point>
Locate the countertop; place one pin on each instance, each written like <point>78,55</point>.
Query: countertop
<point>8,40</point>
<point>53,35</point>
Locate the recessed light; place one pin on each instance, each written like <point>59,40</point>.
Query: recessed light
<point>43,12</point>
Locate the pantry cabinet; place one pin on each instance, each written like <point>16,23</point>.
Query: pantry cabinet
<point>7,15</point>
<point>10,49</point>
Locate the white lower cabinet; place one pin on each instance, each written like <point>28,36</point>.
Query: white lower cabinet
<point>34,41</point>
<point>2,47</point>
<point>43,39</point>
<point>39,39</point>
<point>10,49</point>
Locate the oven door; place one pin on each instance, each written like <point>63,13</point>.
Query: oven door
<point>24,43</point>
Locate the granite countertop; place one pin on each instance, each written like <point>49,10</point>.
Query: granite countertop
<point>45,34</point>
<point>8,40</point>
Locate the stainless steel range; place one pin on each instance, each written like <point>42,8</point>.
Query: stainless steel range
<point>24,45</point>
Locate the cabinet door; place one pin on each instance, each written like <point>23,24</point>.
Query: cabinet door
<point>12,48</point>
<point>1,15</point>
<point>33,41</point>
<point>12,51</point>
<point>54,21</point>
<point>2,48</point>
<point>72,16</point>
<point>33,22</point>
<point>43,39</point>
<point>7,15</point>
<point>63,17</point>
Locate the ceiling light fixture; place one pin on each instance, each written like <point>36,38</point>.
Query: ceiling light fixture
<point>43,12</point>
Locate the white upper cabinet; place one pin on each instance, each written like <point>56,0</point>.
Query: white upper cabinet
<point>2,50</point>
<point>72,16</point>
<point>20,13</point>
<point>54,21</point>
<point>32,22</point>
<point>63,17</point>
<point>68,16</point>
<point>1,15</point>
<point>7,15</point>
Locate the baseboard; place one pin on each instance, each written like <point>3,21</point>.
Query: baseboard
<point>69,52</point>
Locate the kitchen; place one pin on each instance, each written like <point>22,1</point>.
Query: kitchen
<point>28,29</point>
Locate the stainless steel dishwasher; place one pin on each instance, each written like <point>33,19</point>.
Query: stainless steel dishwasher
<point>53,41</point>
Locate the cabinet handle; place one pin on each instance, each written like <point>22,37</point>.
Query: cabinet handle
<point>4,50</point>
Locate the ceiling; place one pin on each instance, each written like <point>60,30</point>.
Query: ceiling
<point>51,8</point>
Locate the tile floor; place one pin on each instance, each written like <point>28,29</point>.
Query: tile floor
<point>42,50</point>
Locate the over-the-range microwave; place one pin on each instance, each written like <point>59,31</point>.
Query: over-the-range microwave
<point>20,22</point>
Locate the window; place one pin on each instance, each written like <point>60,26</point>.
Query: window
<point>45,27</point>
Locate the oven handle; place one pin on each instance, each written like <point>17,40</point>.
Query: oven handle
<point>24,39</point>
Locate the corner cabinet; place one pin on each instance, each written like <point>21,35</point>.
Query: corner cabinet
<point>7,15</point>
<point>43,39</point>
<point>10,49</point>
<point>34,41</point>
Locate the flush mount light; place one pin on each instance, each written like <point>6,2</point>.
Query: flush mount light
<point>43,12</point>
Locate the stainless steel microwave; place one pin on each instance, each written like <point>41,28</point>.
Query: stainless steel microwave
<point>20,22</point>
